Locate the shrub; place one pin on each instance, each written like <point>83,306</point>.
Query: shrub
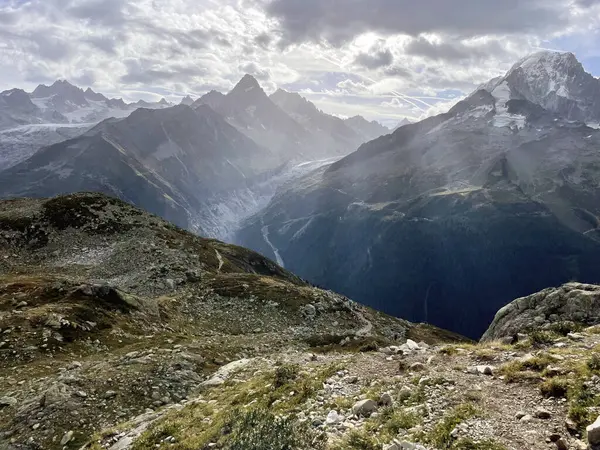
<point>260,430</point>
<point>582,401</point>
<point>542,337</point>
<point>284,374</point>
<point>368,347</point>
<point>564,328</point>
<point>358,440</point>
<point>440,437</point>
<point>594,363</point>
<point>555,387</point>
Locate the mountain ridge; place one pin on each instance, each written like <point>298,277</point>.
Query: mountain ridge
<point>403,210</point>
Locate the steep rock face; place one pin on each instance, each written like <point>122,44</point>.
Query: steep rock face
<point>212,99</point>
<point>167,161</point>
<point>448,219</point>
<point>572,302</point>
<point>61,96</point>
<point>248,108</point>
<point>288,124</point>
<point>329,131</point>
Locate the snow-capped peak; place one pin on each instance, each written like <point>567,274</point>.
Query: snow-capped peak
<point>555,81</point>
<point>548,61</point>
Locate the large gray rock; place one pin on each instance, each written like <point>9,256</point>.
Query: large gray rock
<point>573,302</point>
<point>364,408</point>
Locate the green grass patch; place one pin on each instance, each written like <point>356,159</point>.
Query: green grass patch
<point>439,436</point>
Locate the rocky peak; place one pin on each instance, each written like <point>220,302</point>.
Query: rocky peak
<point>187,100</point>
<point>369,130</point>
<point>555,81</point>
<point>212,99</point>
<point>64,96</point>
<point>96,96</point>
<point>292,101</point>
<point>17,99</point>
<point>248,90</point>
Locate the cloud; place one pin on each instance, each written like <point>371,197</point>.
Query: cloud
<point>98,12</point>
<point>106,43</point>
<point>451,50</point>
<point>263,40</point>
<point>252,69</point>
<point>315,20</point>
<point>374,60</point>
<point>348,59</point>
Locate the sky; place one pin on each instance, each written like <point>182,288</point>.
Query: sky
<point>383,59</point>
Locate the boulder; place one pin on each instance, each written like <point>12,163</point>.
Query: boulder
<point>416,367</point>
<point>485,370</point>
<point>333,417</point>
<point>572,302</point>
<point>364,408</point>
<point>386,399</point>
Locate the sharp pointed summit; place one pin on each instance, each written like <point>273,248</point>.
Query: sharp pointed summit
<point>187,100</point>
<point>248,91</point>
<point>247,82</point>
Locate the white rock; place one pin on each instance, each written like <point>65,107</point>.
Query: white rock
<point>333,417</point>
<point>485,370</point>
<point>412,345</point>
<point>593,433</point>
<point>66,438</point>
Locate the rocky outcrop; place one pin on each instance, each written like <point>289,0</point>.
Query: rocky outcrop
<point>572,302</point>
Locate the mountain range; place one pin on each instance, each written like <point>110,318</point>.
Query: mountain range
<point>51,114</point>
<point>120,330</point>
<point>203,164</point>
<point>448,219</point>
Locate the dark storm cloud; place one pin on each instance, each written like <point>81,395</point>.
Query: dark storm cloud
<point>374,60</point>
<point>339,22</point>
